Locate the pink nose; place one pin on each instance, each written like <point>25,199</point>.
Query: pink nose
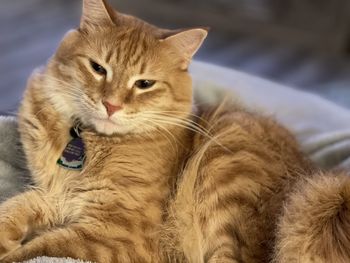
<point>111,109</point>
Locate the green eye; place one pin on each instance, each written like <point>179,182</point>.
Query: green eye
<point>98,68</point>
<point>144,84</point>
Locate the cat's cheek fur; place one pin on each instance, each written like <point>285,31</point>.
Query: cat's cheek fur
<point>62,106</point>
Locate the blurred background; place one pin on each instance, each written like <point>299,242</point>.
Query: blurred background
<point>302,43</point>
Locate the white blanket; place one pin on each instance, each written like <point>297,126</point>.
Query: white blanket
<point>322,127</point>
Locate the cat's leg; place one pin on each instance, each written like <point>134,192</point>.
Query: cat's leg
<point>62,243</point>
<point>95,242</point>
<point>20,216</point>
<point>44,134</point>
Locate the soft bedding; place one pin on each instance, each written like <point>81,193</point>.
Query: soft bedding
<point>322,128</point>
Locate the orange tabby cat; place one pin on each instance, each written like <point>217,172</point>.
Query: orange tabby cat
<point>157,184</point>
<point>126,83</point>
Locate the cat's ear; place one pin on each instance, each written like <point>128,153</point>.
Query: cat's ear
<point>187,42</point>
<point>96,12</point>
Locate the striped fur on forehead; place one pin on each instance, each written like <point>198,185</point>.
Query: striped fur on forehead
<point>129,49</point>
<point>120,45</point>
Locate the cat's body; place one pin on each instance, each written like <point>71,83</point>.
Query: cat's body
<point>117,202</point>
<point>158,184</point>
<point>230,198</point>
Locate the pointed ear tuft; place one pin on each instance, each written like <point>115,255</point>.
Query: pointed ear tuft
<point>187,42</point>
<point>96,12</point>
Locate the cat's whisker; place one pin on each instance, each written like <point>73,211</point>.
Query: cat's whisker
<point>191,128</point>
<point>182,119</point>
<point>172,140</point>
<point>64,84</point>
<point>167,135</point>
<point>175,114</point>
<point>184,112</point>
<point>180,125</point>
<point>185,122</point>
<point>57,80</point>
<point>76,94</point>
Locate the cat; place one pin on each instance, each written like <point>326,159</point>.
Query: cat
<point>155,179</point>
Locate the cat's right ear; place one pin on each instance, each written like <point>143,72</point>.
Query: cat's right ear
<point>96,13</point>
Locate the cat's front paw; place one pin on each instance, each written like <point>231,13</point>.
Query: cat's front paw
<point>11,237</point>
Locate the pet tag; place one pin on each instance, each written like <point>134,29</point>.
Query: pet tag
<point>73,156</point>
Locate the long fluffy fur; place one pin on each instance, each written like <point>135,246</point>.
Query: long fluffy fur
<point>175,186</point>
<point>232,190</point>
<point>315,226</point>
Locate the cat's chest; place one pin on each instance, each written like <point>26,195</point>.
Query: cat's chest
<point>136,159</point>
<point>64,161</point>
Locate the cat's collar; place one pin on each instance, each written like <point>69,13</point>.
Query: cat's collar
<point>75,131</point>
<point>73,155</point>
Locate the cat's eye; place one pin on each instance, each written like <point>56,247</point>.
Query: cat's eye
<point>144,83</point>
<point>98,68</point>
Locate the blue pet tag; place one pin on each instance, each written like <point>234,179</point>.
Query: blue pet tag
<point>73,156</point>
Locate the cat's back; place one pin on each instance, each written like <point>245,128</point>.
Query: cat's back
<point>235,131</point>
<point>236,180</point>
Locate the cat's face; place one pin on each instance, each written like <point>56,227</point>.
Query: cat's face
<point>118,75</point>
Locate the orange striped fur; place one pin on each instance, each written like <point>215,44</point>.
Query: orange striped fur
<point>163,181</point>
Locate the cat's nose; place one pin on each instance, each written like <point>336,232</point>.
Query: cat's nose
<point>111,109</point>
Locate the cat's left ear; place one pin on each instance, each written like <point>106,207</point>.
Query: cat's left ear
<point>187,43</point>
<point>96,12</point>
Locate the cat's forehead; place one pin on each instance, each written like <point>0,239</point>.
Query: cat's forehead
<point>121,44</point>
<point>107,37</point>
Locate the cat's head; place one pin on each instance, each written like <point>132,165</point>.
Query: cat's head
<point>120,75</point>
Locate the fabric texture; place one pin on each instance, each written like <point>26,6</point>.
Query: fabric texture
<point>13,175</point>
<point>322,128</point>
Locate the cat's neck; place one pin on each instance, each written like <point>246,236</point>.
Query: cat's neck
<point>153,161</point>
<point>176,139</point>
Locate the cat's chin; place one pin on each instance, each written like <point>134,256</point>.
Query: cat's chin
<point>107,127</point>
